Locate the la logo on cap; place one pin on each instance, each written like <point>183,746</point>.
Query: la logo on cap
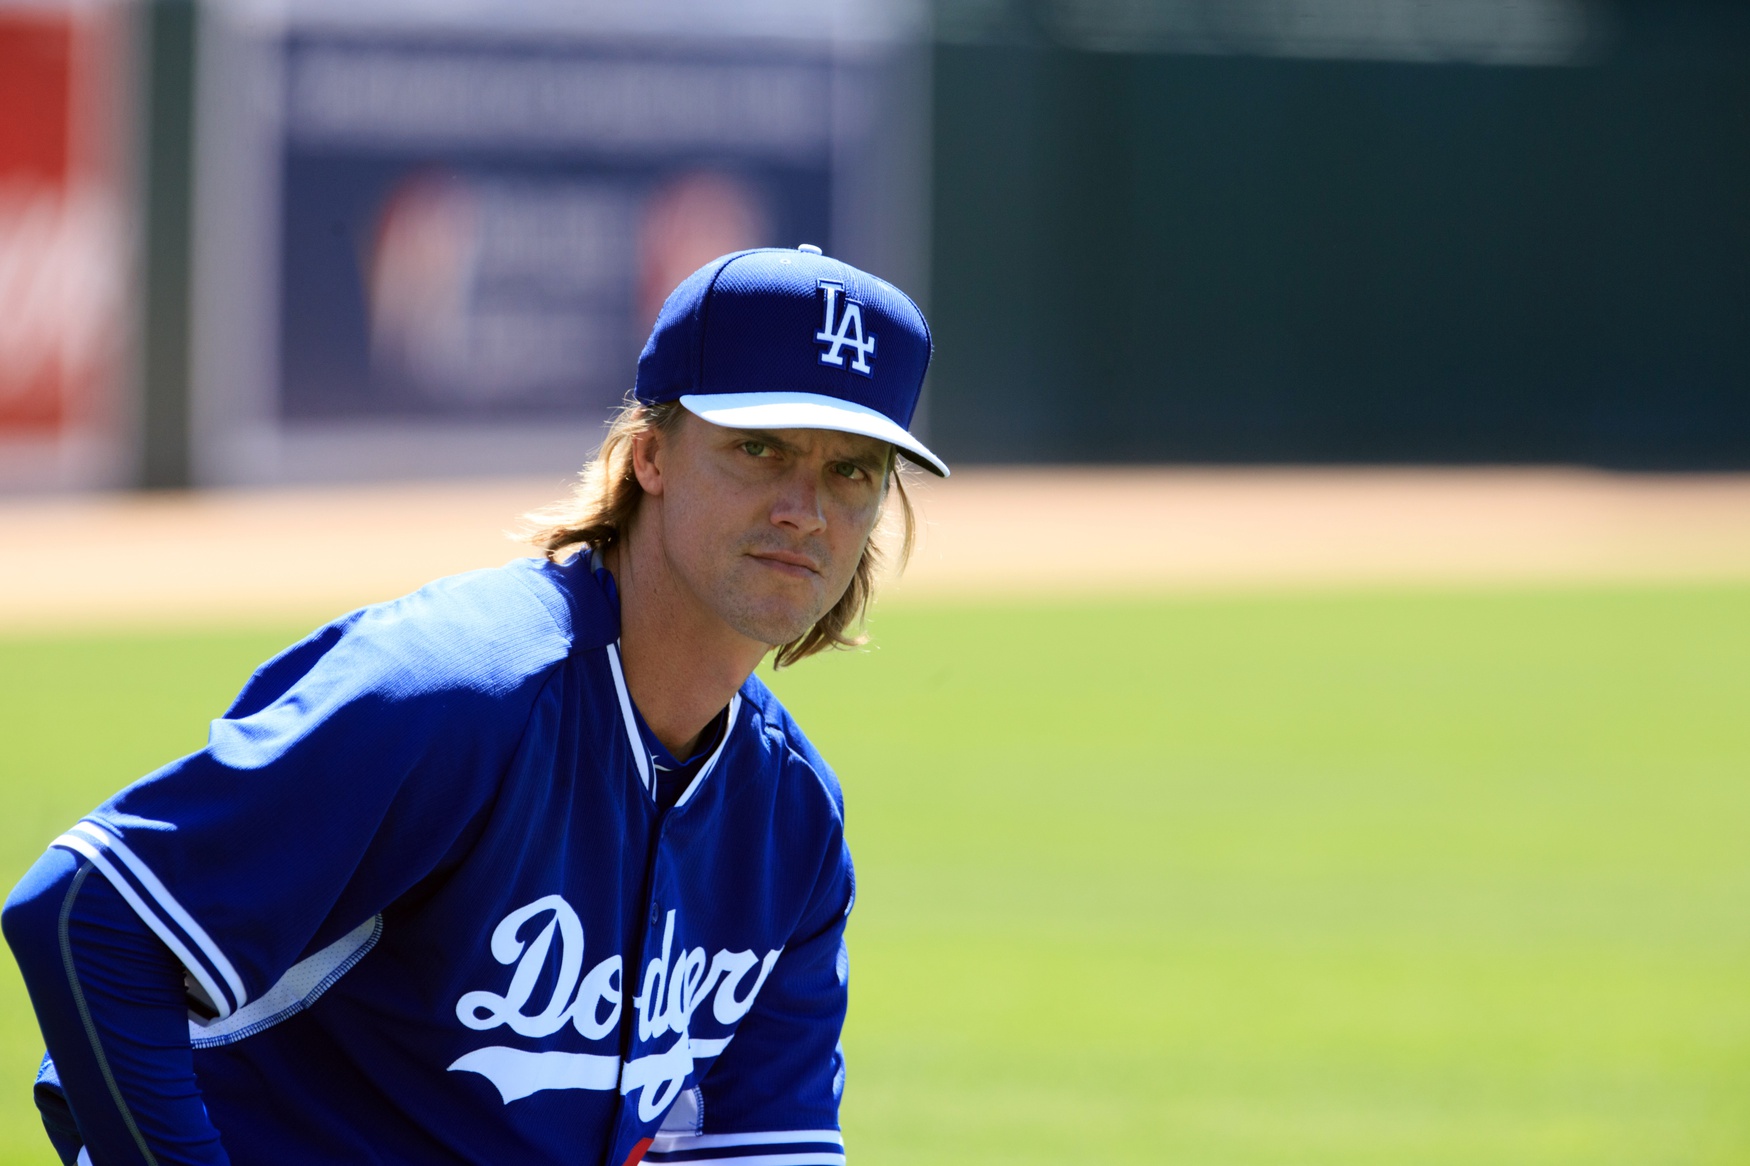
<point>842,330</point>
<point>768,339</point>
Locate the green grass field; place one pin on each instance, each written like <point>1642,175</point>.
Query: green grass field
<point>1342,879</point>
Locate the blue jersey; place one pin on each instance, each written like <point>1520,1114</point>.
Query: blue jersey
<point>431,912</point>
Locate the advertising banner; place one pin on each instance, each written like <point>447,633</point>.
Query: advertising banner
<point>449,241</point>
<point>61,250</point>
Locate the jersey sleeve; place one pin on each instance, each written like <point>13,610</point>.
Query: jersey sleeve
<point>346,771</point>
<point>772,1098</point>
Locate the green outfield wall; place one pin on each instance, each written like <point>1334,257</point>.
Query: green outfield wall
<point>1170,232</point>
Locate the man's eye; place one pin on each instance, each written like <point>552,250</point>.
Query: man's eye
<point>755,448</point>
<point>849,470</point>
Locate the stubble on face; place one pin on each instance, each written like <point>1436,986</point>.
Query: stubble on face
<point>765,529</point>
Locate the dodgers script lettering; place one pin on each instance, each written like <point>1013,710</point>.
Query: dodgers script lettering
<point>674,986</point>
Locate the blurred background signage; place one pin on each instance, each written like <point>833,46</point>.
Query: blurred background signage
<point>438,242</point>
<point>61,248</point>
<point>381,238</point>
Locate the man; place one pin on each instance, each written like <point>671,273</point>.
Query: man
<point>526,866</point>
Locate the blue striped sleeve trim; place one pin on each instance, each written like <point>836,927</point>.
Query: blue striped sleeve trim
<point>764,1148</point>
<point>158,909</point>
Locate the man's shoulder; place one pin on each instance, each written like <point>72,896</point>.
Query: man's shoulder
<point>795,759</point>
<point>528,607</point>
<point>491,631</point>
<point>497,623</point>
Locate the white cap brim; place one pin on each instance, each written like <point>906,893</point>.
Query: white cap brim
<point>807,411</point>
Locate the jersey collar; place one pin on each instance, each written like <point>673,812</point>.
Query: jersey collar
<point>608,594</point>
<point>641,753</point>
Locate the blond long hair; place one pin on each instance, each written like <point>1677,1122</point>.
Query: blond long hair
<point>604,505</point>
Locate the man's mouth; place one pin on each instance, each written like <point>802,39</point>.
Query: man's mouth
<point>797,566</point>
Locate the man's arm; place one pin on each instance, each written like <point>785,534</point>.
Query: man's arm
<point>109,997</point>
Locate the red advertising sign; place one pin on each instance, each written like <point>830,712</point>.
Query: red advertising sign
<point>60,253</point>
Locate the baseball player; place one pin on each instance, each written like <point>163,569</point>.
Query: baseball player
<point>527,866</point>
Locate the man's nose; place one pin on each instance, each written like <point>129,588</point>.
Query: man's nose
<point>798,503</point>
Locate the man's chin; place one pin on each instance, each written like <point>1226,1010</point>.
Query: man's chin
<point>775,625</point>
<point>776,634</point>
<point>770,610</point>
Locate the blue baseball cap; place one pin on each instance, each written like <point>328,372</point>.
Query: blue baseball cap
<point>781,339</point>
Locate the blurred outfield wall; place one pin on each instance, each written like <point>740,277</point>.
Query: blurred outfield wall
<point>253,241</point>
<point>1343,231</point>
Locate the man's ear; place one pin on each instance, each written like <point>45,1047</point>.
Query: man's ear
<point>647,451</point>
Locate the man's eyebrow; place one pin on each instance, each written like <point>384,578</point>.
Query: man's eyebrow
<point>874,461</point>
<point>765,437</point>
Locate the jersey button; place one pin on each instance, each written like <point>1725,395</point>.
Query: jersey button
<point>655,913</point>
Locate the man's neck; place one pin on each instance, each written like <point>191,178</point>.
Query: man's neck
<point>682,663</point>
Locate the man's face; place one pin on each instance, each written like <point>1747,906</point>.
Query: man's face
<point>765,528</point>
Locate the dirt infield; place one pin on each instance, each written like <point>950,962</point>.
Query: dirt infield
<point>236,556</point>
